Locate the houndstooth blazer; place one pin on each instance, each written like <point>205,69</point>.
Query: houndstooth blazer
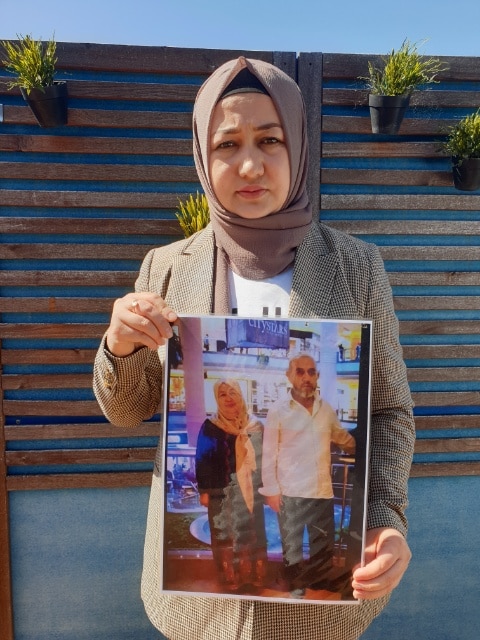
<point>336,276</point>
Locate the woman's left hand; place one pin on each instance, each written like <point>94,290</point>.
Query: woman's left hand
<point>387,555</point>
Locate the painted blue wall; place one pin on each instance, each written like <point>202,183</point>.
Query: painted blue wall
<point>438,598</point>
<point>77,559</point>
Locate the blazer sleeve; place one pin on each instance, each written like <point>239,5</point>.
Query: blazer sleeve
<point>128,389</point>
<point>392,425</point>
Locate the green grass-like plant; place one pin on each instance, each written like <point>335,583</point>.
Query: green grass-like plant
<point>402,71</point>
<point>463,138</point>
<point>32,61</point>
<point>193,214</point>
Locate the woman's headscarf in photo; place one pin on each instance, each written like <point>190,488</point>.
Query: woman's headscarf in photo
<point>264,247</point>
<point>239,426</point>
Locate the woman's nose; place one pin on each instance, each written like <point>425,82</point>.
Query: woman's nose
<point>251,164</point>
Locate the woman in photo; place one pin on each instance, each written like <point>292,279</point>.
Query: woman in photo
<point>228,471</point>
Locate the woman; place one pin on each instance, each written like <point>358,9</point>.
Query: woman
<point>228,470</point>
<point>262,248</point>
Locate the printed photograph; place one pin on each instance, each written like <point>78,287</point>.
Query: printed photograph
<point>265,457</point>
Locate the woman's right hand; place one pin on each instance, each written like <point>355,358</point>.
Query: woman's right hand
<point>139,320</point>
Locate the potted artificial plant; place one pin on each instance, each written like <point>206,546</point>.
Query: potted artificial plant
<point>463,145</point>
<point>392,84</point>
<point>33,63</point>
<point>193,214</point>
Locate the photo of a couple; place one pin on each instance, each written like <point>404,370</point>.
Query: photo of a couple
<point>265,456</point>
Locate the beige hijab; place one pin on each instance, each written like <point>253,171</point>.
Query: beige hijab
<point>262,248</point>
<point>239,426</point>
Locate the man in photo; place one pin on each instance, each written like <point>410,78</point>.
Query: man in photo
<point>296,474</point>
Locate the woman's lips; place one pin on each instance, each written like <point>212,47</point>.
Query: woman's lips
<point>252,192</point>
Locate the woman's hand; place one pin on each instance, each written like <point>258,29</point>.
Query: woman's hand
<point>139,320</point>
<point>204,499</point>
<point>386,559</point>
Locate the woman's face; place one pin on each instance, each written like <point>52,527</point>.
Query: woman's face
<point>229,401</point>
<point>248,159</point>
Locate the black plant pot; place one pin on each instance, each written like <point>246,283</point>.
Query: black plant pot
<point>466,176</point>
<point>386,112</point>
<point>49,107</point>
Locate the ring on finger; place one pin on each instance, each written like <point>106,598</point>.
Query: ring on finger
<point>134,306</point>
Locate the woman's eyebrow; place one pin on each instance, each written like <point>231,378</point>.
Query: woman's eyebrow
<point>269,125</point>
<point>260,127</point>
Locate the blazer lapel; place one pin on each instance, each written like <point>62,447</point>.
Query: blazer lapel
<point>191,282</point>
<point>319,286</point>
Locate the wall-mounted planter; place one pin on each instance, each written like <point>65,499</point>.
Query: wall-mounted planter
<point>466,176</point>
<point>50,107</point>
<point>387,112</point>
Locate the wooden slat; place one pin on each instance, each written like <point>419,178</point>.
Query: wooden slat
<point>404,227</point>
<point>147,59</point>
<point>45,251</point>
<point>94,200</point>
<point>114,119</point>
<point>96,172</point>
<point>430,253</point>
<point>56,305</point>
<point>444,374</point>
<point>118,119</point>
<point>349,65</point>
<point>109,480</point>
<point>136,91</point>
<point>434,278</point>
<point>436,99</point>
<point>48,356</point>
<point>400,202</point>
<point>80,456</point>
<point>446,399</point>
<point>77,431</point>
<point>446,445</point>
<point>410,178</point>
<point>52,330</point>
<point>380,150</point>
<point>403,303</point>
<point>448,351</point>
<point>96,145</point>
<point>445,469</point>
<point>443,422</point>
<point>85,226</point>
<point>72,278</point>
<point>411,126</point>
<point>47,381</point>
<point>84,408</point>
<point>439,327</point>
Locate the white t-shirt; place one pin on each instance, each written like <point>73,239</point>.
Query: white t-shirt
<point>269,297</point>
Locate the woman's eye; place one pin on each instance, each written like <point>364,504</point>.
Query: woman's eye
<point>225,145</point>
<point>271,140</point>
